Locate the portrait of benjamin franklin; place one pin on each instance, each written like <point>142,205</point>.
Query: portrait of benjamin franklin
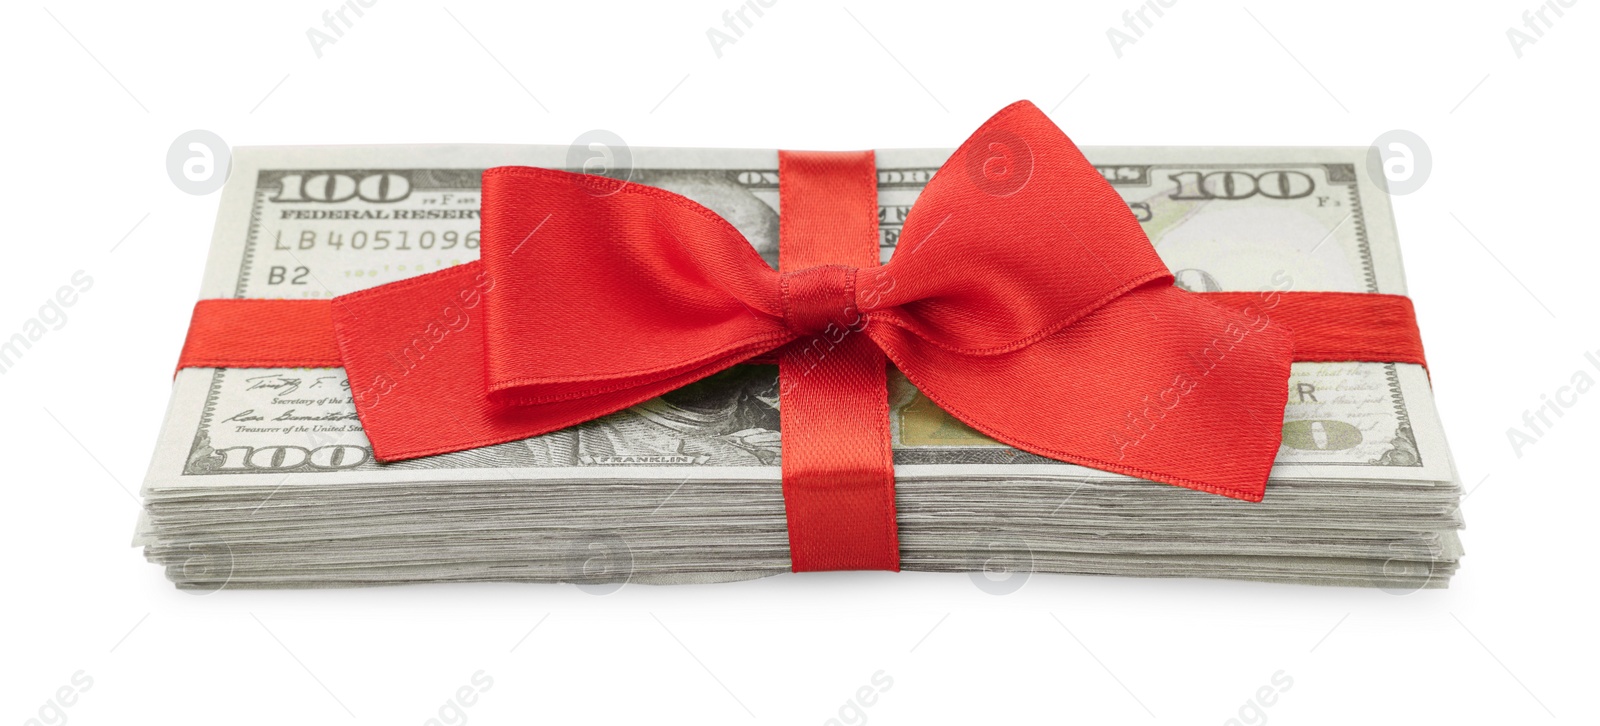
<point>728,419</point>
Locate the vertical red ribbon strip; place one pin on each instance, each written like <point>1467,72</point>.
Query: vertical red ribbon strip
<point>838,467</point>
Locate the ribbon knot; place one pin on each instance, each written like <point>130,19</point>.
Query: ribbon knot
<point>821,299</point>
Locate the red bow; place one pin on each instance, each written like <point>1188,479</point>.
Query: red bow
<point>1023,298</point>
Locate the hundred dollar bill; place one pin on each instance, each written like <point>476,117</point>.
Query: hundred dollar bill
<point>316,222</point>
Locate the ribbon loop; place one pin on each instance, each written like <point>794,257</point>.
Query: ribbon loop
<point>592,291</point>
<point>1016,237</point>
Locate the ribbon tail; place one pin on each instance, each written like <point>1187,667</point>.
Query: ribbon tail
<point>1158,384</point>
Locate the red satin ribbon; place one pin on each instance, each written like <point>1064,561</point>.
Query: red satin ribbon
<point>833,391</point>
<point>1328,326</point>
<point>1023,298</point>
<point>239,333</point>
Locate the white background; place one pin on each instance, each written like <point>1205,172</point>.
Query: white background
<point>1500,251</point>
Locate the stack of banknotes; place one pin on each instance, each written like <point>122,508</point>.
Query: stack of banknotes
<point>263,478</point>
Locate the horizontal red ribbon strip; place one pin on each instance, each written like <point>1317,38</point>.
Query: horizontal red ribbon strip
<point>225,333</point>
<point>1328,326</point>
